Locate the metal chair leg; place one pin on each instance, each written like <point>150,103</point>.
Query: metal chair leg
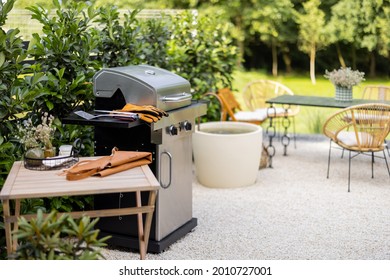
<point>330,147</point>
<point>349,172</point>
<point>387,165</point>
<point>372,165</point>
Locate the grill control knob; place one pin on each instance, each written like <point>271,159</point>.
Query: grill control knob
<point>172,130</point>
<point>187,126</point>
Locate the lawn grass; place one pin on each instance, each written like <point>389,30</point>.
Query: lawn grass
<point>310,119</point>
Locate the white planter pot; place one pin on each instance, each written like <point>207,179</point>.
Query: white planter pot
<point>227,154</point>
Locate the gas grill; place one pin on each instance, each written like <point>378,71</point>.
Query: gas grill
<point>169,140</point>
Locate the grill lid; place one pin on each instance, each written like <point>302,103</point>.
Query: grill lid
<point>141,85</point>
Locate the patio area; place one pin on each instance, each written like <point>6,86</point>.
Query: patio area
<point>293,212</point>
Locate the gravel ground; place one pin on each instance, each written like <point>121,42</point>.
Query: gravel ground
<point>293,212</point>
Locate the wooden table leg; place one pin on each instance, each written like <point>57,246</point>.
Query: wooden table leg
<point>141,237</point>
<point>7,225</point>
<point>149,217</point>
<point>144,228</point>
<point>16,225</point>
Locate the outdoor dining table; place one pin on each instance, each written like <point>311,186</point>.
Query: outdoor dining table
<point>23,183</point>
<point>301,100</point>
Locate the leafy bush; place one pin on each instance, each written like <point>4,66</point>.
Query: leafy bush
<point>315,122</point>
<point>63,52</point>
<point>119,44</point>
<point>201,50</point>
<point>58,238</point>
<point>11,56</point>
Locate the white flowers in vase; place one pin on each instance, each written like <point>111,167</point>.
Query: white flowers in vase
<point>345,77</point>
<point>39,136</point>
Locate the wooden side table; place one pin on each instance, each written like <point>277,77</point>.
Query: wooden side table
<point>23,183</point>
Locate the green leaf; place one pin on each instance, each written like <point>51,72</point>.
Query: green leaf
<point>49,105</point>
<point>2,58</point>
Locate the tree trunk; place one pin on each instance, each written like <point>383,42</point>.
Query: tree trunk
<point>274,58</point>
<point>372,65</point>
<point>353,52</point>
<point>312,64</point>
<point>340,55</point>
<point>240,58</point>
<point>241,42</point>
<point>287,62</point>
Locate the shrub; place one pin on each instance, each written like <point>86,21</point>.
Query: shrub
<point>58,238</point>
<point>11,56</point>
<point>202,51</point>
<point>119,43</point>
<point>63,53</point>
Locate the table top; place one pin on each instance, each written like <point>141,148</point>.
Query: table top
<point>25,183</point>
<point>319,101</point>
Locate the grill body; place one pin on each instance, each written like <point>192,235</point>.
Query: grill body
<point>169,140</point>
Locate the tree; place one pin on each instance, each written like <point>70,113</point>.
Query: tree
<point>374,28</point>
<point>364,25</point>
<point>311,34</point>
<point>234,12</point>
<point>273,21</point>
<point>383,23</point>
<point>343,27</point>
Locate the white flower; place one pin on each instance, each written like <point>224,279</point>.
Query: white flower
<point>345,77</point>
<point>37,136</point>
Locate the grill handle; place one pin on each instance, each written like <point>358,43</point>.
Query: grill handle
<point>165,186</point>
<point>180,97</point>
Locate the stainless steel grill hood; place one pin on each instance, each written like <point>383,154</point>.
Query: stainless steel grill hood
<point>141,85</point>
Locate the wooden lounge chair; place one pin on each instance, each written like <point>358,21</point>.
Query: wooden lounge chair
<point>231,109</point>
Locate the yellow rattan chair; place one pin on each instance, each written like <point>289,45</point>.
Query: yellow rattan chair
<point>376,92</point>
<point>256,93</point>
<point>361,129</point>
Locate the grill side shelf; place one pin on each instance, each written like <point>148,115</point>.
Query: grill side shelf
<point>104,122</point>
<point>196,109</point>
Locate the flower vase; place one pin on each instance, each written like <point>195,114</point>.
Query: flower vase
<point>33,157</point>
<point>343,94</point>
<point>49,152</point>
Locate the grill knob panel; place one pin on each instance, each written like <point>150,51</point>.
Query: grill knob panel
<point>187,126</point>
<point>172,130</point>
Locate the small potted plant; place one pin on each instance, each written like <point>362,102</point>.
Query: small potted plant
<point>37,139</point>
<point>344,79</point>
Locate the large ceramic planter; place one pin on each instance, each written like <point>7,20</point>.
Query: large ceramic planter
<point>227,154</point>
